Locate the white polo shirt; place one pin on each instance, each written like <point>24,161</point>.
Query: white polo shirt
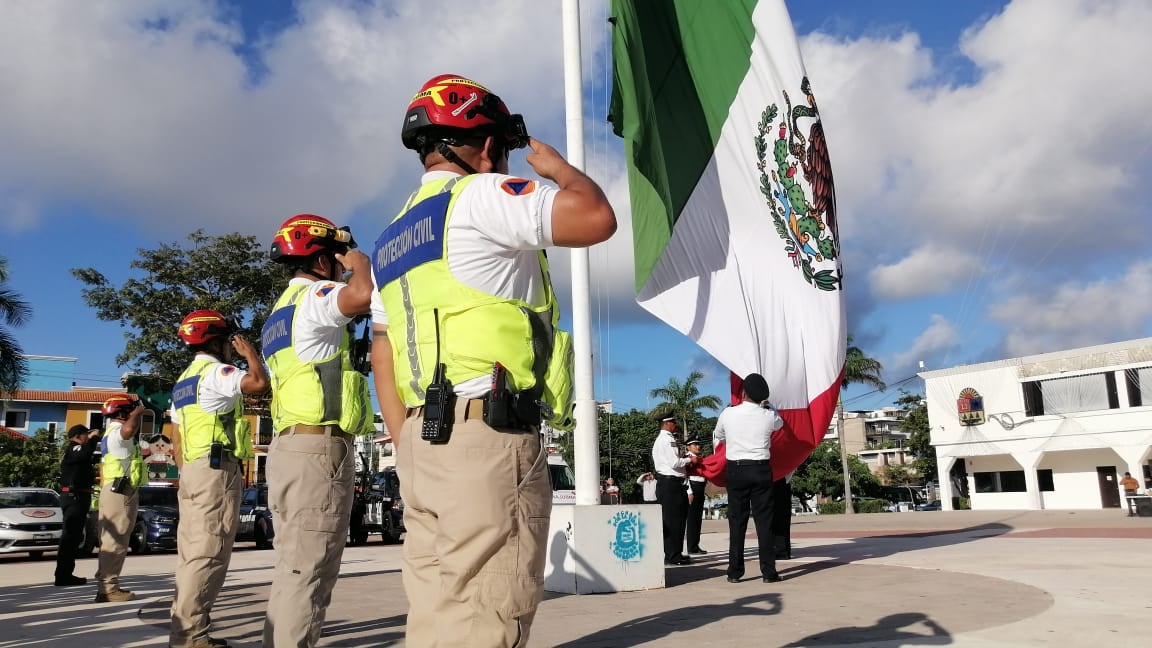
<point>219,388</point>
<point>498,224</point>
<point>318,326</point>
<point>747,429</point>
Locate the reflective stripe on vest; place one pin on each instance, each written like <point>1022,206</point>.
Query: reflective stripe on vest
<point>321,392</point>
<point>199,429</point>
<point>475,329</point>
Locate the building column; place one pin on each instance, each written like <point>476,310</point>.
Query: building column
<point>1134,458</point>
<point>1030,461</point>
<point>944,480</point>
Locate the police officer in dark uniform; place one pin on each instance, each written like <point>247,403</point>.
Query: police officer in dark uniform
<point>77,475</point>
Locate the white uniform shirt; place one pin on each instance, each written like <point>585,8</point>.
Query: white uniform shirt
<point>219,388</point>
<point>492,242</point>
<point>114,446</point>
<point>747,429</point>
<point>666,457</point>
<point>695,478</point>
<point>318,326</point>
<point>648,486</point>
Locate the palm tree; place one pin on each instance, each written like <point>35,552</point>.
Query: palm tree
<point>14,311</point>
<point>684,399</point>
<point>863,370</point>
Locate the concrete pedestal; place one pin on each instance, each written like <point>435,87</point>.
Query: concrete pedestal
<point>596,549</point>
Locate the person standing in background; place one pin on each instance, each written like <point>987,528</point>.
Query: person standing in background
<point>122,472</point>
<point>77,476</point>
<point>747,429</point>
<point>696,484</point>
<point>671,489</point>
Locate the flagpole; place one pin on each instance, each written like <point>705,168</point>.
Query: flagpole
<point>586,440</point>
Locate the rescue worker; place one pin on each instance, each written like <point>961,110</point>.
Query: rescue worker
<point>463,283</point>
<point>211,440</point>
<point>122,472</point>
<point>76,479</point>
<point>319,403</point>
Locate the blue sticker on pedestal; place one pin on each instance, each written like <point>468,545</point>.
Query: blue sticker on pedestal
<point>628,541</point>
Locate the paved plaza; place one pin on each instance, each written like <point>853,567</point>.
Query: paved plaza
<point>964,578</point>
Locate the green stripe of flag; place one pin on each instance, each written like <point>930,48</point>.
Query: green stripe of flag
<point>677,67</point>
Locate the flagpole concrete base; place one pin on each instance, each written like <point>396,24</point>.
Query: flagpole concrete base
<point>599,549</point>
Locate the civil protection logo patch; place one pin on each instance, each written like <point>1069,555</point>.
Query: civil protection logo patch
<point>628,540</point>
<point>518,186</point>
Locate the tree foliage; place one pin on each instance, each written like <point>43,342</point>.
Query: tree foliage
<point>625,450</point>
<point>919,433</point>
<point>821,474</point>
<point>861,369</point>
<point>14,312</point>
<point>32,462</point>
<point>684,399</point>
<point>231,274</point>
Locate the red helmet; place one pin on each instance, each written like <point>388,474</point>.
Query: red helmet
<point>448,106</point>
<point>118,404</point>
<point>203,325</point>
<point>304,235</point>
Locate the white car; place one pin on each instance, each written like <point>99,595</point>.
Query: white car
<point>563,480</point>
<point>30,520</point>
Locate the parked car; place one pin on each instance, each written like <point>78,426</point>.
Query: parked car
<point>377,509</point>
<point>31,520</point>
<point>157,519</point>
<point>255,517</point>
<point>934,505</point>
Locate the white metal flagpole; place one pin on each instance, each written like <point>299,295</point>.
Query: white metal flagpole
<point>586,439</point>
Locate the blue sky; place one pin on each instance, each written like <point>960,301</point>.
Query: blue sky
<point>991,158</point>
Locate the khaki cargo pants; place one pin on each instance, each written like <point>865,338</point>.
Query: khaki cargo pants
<point>209,515</point>
<point>117,519</point>
<point>310,481</point>
<point>477,511</point>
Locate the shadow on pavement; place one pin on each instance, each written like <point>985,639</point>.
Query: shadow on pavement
<point>890,631</point>
<point>662,624</point>
<point>882,546</point>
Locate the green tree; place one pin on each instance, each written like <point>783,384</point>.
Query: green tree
<point>858,369</point>
<point>625,449</point>
<point>861,369</point>
<point>822,474</point>
<point>33,462</point>
<point>919,433</point>
<point>231,274</point>
<point>895,475</point>
<point>14,312</point>
<point>684,399</point>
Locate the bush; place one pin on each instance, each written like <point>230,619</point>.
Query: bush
<point>964,504</point>
<point>862,506</point>
<point>830,508</point>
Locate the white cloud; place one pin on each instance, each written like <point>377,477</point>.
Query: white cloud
<point>1036,168</point>
<point>163,126</point>
<point>923,272</point>
<point>1039,149</point>
<point>940,336</point>
<point>1078,313</point>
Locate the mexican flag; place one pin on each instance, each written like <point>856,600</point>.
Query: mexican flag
<point>733,206</point>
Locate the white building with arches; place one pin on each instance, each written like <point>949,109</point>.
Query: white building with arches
<point>1050,431</point>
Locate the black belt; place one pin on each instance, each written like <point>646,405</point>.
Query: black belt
<point>749,462</point>
<point>659,476</point>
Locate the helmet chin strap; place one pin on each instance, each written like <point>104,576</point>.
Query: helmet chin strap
<point>451,156</point>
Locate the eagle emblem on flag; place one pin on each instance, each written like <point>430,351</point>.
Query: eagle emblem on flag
<point>799,189</point>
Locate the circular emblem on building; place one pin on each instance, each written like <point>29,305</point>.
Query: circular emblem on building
<point>37,513</point>
<point>970,407</point>
<point>628,541</point>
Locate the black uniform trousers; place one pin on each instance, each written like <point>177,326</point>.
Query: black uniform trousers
<point>695,515</point>
<point>673,498</point>
<point>750,492</point>
<point>782,518</point>
<point>75,507</point>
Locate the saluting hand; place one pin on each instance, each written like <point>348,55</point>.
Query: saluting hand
<point>355,262</point>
